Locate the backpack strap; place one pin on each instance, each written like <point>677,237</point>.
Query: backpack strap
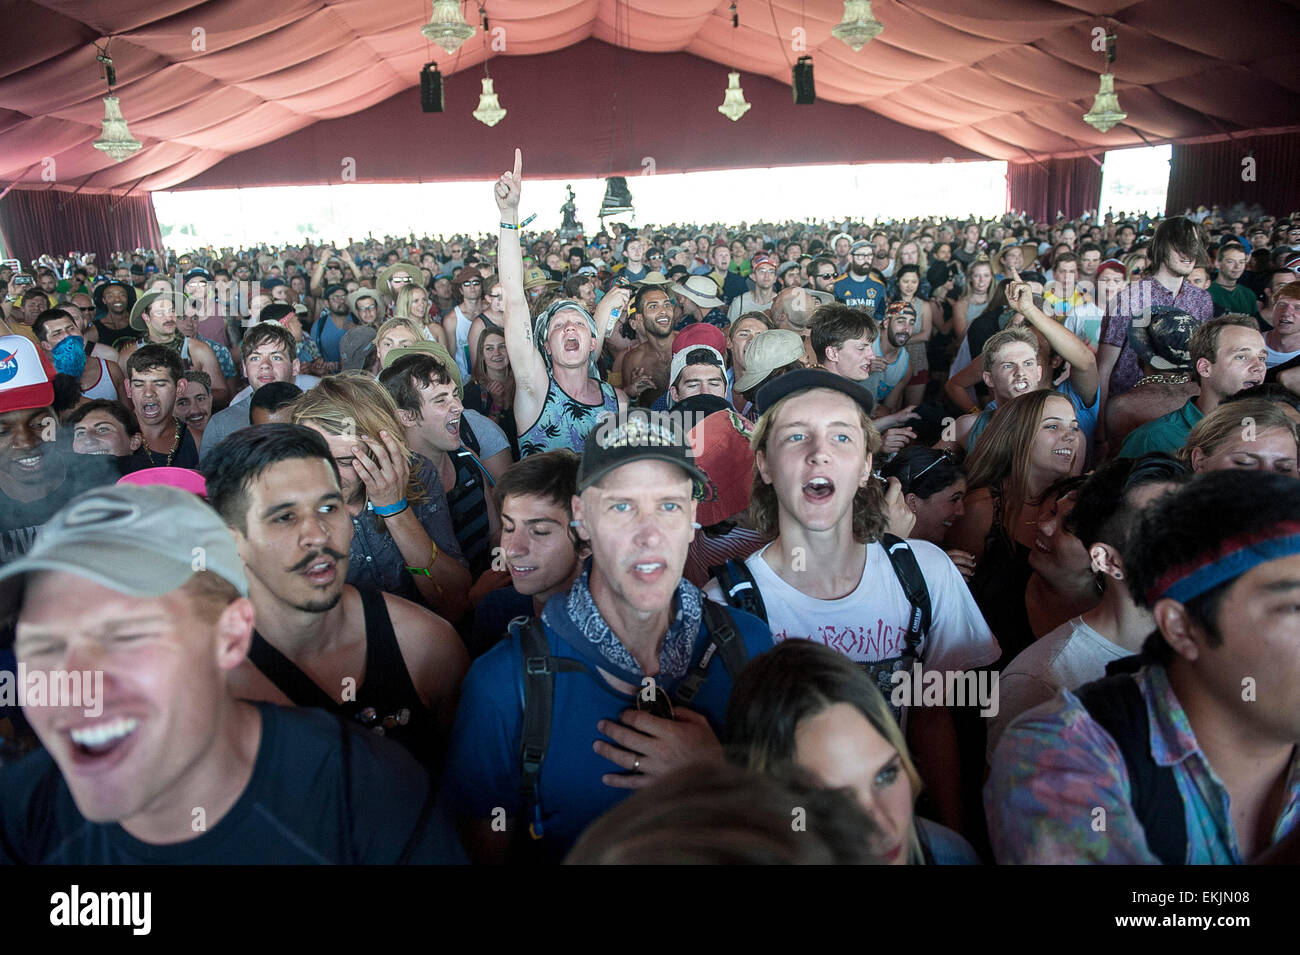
<point>739,587</point>
<point>318,329</point>
<point>1117,706</point>
<point>909,575</point>
<point>539,703</point>
<point>723,639</point>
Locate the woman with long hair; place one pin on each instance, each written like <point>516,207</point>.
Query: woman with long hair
<point>908,284</point>
<point>975,297</point>
<point>491,391</point>
<point>1030,444</point>
<point>415,302</point>
<point>805,706</point>
<point>492,316</point>
<point>400,517</point>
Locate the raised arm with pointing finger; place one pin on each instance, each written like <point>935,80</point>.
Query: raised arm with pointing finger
<point>531,377</point>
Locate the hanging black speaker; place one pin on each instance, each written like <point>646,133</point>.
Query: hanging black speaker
<point>805,94</point>
<point>430,89</point>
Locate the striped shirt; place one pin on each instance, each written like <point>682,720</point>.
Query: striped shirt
<point>469,516</point>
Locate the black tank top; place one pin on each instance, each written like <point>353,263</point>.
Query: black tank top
<point>386,703</point>
<point>998,586</point>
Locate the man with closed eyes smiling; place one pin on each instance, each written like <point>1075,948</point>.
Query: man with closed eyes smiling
<point>150,758</point>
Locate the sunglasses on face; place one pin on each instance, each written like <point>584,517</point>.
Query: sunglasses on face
<point>463,284</point>
<point>825,275</point>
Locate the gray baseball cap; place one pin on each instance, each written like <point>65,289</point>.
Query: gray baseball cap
<point>143,541</point>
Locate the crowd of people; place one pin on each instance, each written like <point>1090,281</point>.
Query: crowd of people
<point>925,542</point>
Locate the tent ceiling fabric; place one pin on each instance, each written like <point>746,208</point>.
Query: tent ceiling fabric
<point>1005,79</point>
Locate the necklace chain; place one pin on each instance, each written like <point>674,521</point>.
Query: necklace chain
<point>176,444</point>
<point>1174,378</point>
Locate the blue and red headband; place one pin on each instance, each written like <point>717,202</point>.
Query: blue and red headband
<point>1233,557</point>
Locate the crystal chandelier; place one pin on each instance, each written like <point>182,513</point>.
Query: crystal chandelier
<point>733,99</point>
<point>490,111</point>
<point>859,27</point>
<point>447,28</point>
<point>1105,111</point>
<point>116,140</point>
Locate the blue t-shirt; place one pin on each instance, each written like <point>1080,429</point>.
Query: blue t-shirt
<point>482,769</point>
<point>895,371</point>
<point>328,335</point>
<point>868,295</point>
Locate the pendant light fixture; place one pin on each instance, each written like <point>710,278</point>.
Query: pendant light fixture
<point>859,27</point>
<point>115,140</point>
<point>1105,112</point>
<point>447,27</point>
<point>490,111</point>
<point>733,98</point>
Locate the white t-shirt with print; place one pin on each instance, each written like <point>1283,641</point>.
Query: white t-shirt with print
<point>1071,655</point>
<point>870,624</point>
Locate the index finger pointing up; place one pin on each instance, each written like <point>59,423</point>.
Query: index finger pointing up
<point>519,164</point>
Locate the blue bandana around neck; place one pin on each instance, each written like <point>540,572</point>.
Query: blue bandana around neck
<point>577,619</point>
<point>69,356</point>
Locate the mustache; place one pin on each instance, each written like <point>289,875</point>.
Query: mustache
<point>314,556</point>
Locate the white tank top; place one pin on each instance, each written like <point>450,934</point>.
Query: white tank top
<point>104,387</point>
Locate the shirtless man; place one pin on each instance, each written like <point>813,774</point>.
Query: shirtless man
<point>644,367</point>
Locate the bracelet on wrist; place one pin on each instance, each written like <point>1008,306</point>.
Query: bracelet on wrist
<point>433,559</point>
<point>391,510</point>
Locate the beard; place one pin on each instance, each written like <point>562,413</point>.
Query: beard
<point>321,604</point>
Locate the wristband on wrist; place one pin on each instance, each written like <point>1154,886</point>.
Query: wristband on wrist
<point>507,225</point>
<point>392,510</point>
<point>433,559</point>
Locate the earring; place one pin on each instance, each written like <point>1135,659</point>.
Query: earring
<point>575,523</point>
<point>696,524</point>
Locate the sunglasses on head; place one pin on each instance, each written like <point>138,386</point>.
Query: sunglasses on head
<point>944,455</point>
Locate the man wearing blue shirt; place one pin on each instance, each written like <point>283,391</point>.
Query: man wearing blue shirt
<point>856,288</point>
<point>622,645</point>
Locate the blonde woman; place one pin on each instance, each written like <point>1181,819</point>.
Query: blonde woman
<point>413,302</point>
<point>805,706</point>
<point>1250,434</point>
<point>403,541</point>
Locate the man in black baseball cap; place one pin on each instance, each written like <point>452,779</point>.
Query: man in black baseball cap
<point>833,573</point>
<point>625,650</point>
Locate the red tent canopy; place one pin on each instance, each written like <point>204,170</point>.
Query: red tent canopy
<point>1006,79</point>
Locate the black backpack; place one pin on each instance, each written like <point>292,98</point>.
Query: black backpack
<point>741,591</point>
<point>1115,702</point>
<point>722,640</point>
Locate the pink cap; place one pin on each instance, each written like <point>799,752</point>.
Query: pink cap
<point>183,478</point>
